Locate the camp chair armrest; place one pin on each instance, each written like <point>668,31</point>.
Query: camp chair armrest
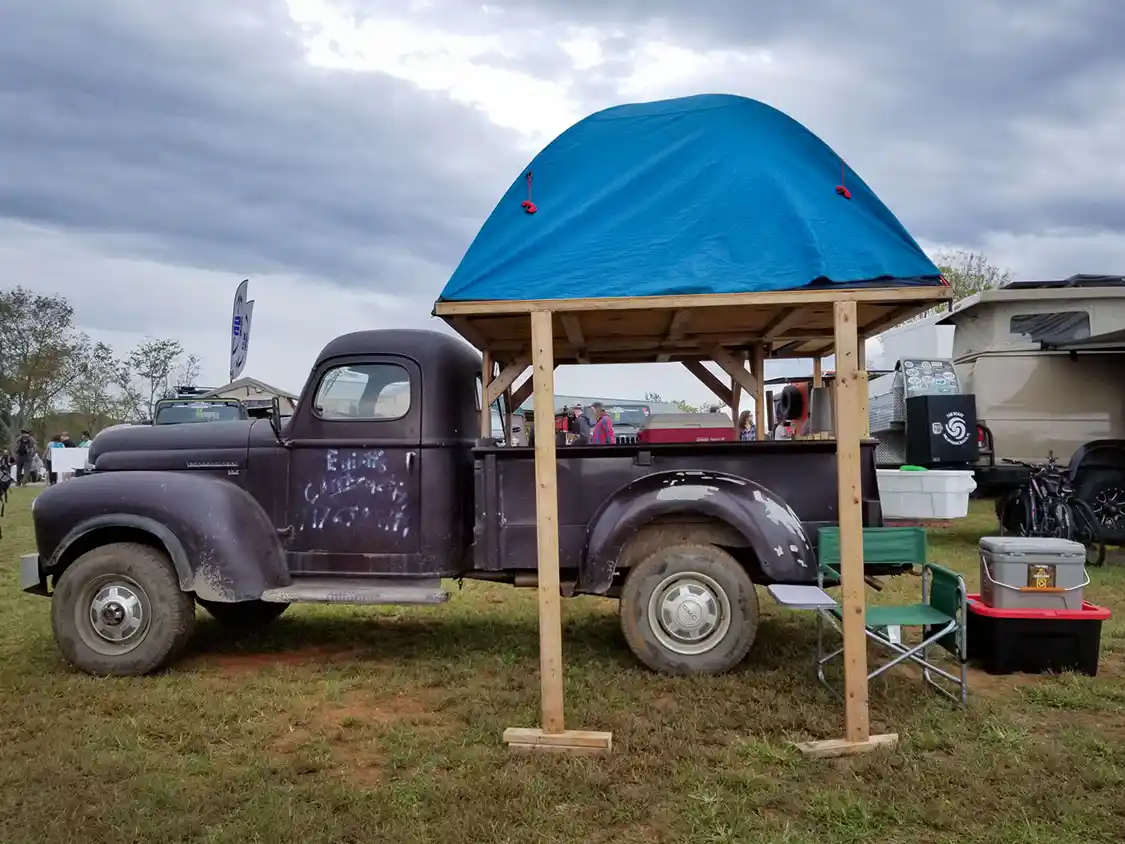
<point>940,574</point>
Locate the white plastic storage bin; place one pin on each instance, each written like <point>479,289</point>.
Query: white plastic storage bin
<point>926,494</point>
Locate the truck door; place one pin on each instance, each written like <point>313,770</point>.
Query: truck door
<point>354,490</point>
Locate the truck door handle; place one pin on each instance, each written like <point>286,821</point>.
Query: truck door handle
<point>410,461</point>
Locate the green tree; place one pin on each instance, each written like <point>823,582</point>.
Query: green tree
<point>40,351</point>
<point>152,363</point>
<point>684,406</point>
<point>968,273</point>
<point>102,392</point>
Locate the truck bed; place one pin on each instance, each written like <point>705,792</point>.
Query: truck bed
<point>801,472</point>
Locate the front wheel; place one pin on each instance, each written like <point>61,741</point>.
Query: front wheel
<point>689,609</point>
<point>119,610</point>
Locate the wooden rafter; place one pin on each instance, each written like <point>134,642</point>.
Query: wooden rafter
<point>710,381</point>
<point>507,377</point>
<point>783,323</point>
<point>521,393</point>
<point>735,368</point>
<point>892,317</point>
<point>676,329</point>
<point>572,325</point>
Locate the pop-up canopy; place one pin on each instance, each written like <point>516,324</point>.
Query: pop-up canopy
<point>705,194</point>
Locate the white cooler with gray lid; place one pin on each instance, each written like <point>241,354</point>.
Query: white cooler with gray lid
<point>1032,573</point>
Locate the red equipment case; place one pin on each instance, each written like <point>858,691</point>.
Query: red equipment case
<point>687,428</point>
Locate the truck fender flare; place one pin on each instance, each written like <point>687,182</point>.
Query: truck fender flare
<point>171,544</point>
<point>1099,454</point>
<point>222,544</point>
<point>767,523</point>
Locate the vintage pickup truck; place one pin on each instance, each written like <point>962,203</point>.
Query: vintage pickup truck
<point>377,489</point>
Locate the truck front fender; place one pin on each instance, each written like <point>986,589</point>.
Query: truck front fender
<point>769,526</point>
<point>220,540</point>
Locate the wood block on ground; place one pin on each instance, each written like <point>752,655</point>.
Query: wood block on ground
<point>527,739</point>
<point>843,747</point>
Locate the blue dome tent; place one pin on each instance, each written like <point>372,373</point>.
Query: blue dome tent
<point>698,195</point>
<point>708,228</point>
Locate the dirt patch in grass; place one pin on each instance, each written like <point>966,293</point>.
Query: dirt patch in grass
<point>344,736</point>
<point>244,662</point>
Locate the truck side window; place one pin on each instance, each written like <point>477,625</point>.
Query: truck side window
<point>363,391</point>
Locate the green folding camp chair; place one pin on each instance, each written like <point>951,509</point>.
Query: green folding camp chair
<point>941,615</point>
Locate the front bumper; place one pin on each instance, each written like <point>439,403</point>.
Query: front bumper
<point>32,578</point>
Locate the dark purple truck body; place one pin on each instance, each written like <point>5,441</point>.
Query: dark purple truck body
<point>240,511</point>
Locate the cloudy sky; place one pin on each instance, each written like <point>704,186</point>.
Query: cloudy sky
<point>342,153</point>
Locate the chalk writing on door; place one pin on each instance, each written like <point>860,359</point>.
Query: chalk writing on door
<point>357,487</point>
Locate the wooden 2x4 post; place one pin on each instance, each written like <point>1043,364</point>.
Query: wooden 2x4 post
<point>551,736</point>
<point>849,432</point>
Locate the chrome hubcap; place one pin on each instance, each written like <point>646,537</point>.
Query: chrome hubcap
<point>117,613</point>
<point>113,614</point>
<point>689,613</point>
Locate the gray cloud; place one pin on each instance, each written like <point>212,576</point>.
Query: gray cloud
<point>196,131</point>
<point>940,105</point>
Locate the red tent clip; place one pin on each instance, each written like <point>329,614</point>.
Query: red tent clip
<point>840,189</point>
<point>527,204</point>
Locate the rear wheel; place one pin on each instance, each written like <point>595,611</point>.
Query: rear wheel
<point>689,609</point>
<point>243,616</point>
<point>1104,491</point>
<point>119,610</point>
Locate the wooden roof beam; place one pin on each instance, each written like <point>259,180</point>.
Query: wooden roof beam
<point>892,318</point>
<point>783,322</point>
<point>572,325</point>
<point>709,380</point>
<point>735,368</point>
<point>507,377</point>
<point>676,328</point>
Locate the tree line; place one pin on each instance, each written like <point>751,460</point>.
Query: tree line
<point>54,377</point>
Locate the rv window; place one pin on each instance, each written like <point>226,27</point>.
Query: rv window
<point>1052,329</point>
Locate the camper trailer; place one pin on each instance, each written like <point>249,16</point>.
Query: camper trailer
<point>1043,361</point>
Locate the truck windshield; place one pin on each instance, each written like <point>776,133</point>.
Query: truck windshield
<point>635,415</point>
<point>175,413</point>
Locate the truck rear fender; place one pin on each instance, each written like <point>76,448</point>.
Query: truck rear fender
<point>221,542</point>
<point>1098,454</point>
<point>762,518</point>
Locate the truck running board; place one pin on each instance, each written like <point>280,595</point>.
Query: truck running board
<point>357,590</point>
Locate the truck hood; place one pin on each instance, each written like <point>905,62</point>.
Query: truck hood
<point>174,447</point>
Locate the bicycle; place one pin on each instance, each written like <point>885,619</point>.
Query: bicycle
<point>1047,506</point>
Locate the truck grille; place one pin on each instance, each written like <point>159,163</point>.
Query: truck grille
<point>626,439</point>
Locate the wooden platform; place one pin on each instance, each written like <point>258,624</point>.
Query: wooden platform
<point>784,324</point>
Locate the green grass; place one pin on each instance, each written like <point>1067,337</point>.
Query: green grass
<point>345,724</point>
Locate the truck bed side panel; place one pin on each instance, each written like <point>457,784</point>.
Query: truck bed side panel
<point>803,473</point>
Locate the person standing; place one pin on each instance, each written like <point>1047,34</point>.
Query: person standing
<point>602,434</point>
<point>583,426</point>
<point>52,475</point>
<point>25,456</point>
<point>746,429</point>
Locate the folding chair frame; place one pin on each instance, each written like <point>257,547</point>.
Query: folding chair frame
<point>918,654</point>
